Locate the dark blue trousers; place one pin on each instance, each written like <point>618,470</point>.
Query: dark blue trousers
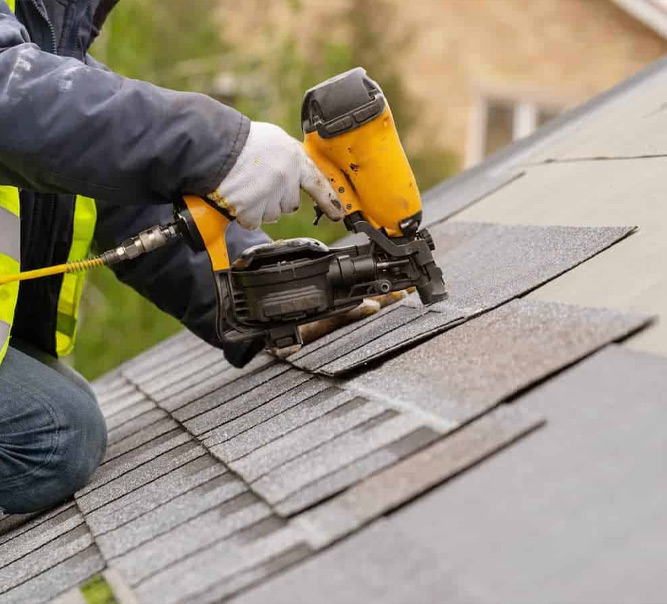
<point>52,433</point>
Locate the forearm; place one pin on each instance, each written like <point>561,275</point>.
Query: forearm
<point>69,127</point>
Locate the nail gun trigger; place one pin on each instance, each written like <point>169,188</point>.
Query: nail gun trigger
<point>318,215</point>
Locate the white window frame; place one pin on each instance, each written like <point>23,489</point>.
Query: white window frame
<point>525,117</point>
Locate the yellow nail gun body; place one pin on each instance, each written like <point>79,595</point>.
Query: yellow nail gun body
<point>273,288</point>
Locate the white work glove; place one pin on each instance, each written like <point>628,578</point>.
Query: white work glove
<point>266,179</point>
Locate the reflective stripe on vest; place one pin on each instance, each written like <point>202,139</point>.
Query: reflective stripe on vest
<point>10,260</point>
<point>85,216</point>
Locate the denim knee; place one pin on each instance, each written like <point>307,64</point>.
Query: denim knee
<point>53,438</point>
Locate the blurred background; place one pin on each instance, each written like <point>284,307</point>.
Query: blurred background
<point>463,77</point>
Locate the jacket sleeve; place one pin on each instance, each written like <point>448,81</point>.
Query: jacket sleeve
<point>68,127</point>
<point>176,279</point>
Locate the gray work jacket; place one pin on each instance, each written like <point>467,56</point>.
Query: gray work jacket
<point>70,126</point>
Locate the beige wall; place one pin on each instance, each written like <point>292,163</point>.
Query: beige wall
<point>554,51</point>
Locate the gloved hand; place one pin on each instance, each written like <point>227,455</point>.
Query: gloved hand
<point>266,179</point>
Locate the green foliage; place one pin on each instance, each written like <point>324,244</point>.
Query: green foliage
<point>170,43</point>
<point>98,591</point>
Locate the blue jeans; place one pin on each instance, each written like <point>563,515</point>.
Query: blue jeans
<point>52,433</point>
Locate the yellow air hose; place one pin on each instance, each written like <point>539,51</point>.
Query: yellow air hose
<point>70,267</point>
<point>146,241</point>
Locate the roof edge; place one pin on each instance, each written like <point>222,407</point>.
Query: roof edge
<point>649,12</point>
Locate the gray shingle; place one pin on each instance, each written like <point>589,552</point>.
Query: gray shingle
<point>138,424</point>
<point>300,441</point>
<point>57,580</point>
<point>276,427</point>
<point>32,564</point>
<point>419,472</point>
<point>495,355</point>
<point>424,325</point>
<point>224,406</point>
<point>503,262</point>
<point>139,476</point>
<point>184,370</point>
<point>356,335</point>
<point>140,438</point>
<point>631,125</point>
<point>456,194</point>
<point>127,415</point>
<point>196,376</point>
<point>171,514</point>
<point>357,470</point>
<point>231,585</point>
<point>162,490</point>
<point>484,265</point>
<point>312,390</point>
<point>129,397</point>
<point>13,525</point>
<point>108,400</point>
<point>164,360</point>
<point>137,457</point>
<point>335,454</point>
<point>227,392</point>
<point>210,385</point>
<point>186,539</point>
<point>192,578</point>
<point>578,507</point>
<point>39,534</point>
<point>341,333</point>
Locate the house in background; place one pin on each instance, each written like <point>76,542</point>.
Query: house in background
<point>487,71</point>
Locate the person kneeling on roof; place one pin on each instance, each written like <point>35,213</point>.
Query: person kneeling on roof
<point>73,131</point>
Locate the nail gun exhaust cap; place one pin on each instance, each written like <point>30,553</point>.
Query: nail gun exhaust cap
<point>342,103</point>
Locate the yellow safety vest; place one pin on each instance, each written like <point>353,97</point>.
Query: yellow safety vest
<point>85,216</point>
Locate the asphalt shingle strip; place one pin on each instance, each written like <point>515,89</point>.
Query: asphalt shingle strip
<point>241,579</point>
<point>355,334</point>
<point>313,390</point>
<point>191,579</point>
<point>186,539</point>
<point>139,476</point>
<point>186,409</point>
<point>164,355</point>
<point>302,439</point>
<point>130,413</point>
<point>398,484</point>
<point>227,405</point>
<point>12,525</point>
<point>496,355</point>
<point>171,514</point>
<point>277,427</point>
<point>120,466</point>
<point>356,471</point>
<point>154,494</point>
<point>38,561</point>
<point>207,386</point>
<point>452,196</point>
<point>139,423</point>
<point>424,325</point>
<point>57,580</point>
<point>152,384</point>
<point>140,438</point>
<point>503,262</point>
<point>485,266</point>
<point>40,535</point>
<point>292,476</point>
